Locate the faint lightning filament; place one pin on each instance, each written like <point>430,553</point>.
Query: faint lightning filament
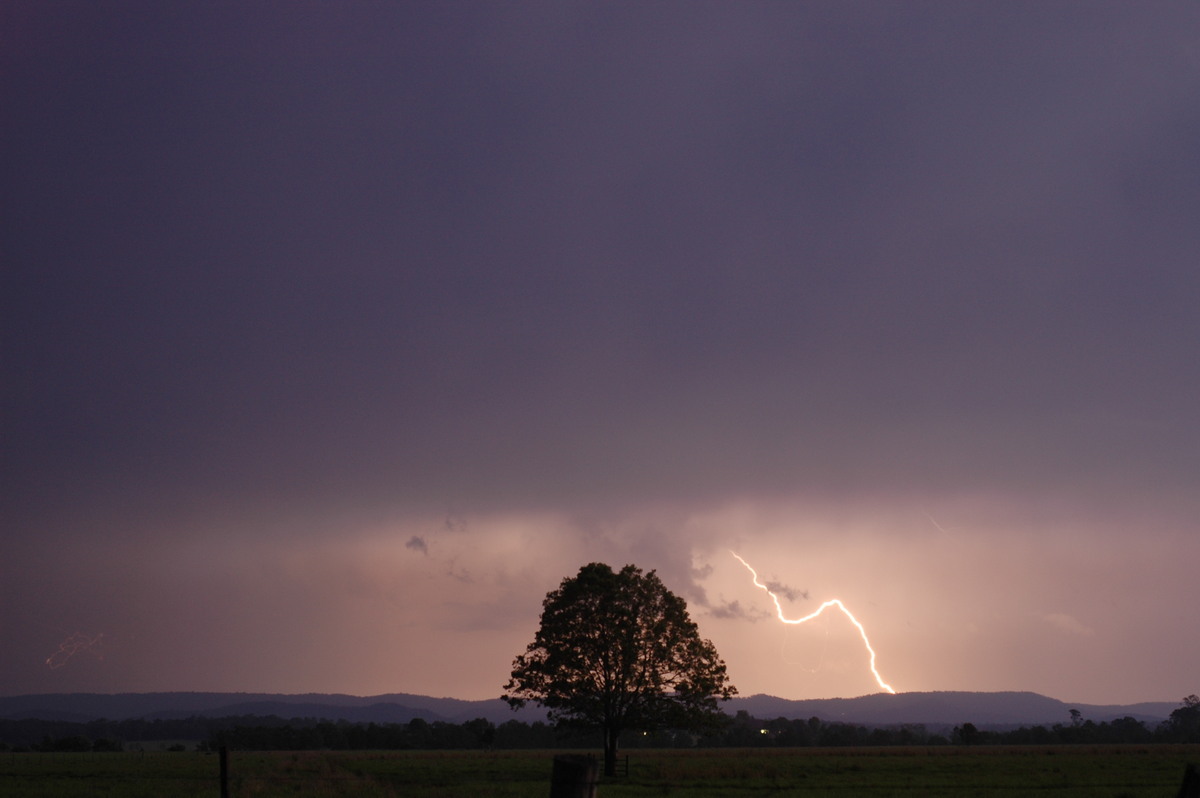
<point>831,603</point>
<point>73,645</point>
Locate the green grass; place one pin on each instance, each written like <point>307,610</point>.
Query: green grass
<point>127,775</point>
<point>1059,771</point>
<point>1142,771</point>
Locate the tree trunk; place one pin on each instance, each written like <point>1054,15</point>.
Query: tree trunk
<point>610,751</point>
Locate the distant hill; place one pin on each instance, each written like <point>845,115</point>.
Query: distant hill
<point>388,708</point>
<point>946,708</point>
<point>934,709</point>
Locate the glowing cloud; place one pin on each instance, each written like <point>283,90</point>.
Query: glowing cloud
<point>1068,624</point>
<point>831,603</point>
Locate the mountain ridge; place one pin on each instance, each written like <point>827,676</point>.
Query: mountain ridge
<point>938,708</point>
<point>1009,708</point>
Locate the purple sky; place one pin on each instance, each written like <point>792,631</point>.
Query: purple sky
<point>336,334</point>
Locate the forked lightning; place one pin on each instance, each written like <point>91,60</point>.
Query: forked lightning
<point>831,603</point>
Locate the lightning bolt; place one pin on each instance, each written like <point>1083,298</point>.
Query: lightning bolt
<point>831,603</point>
<point>73,645</point>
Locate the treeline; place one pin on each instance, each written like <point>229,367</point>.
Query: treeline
<point>785,733</point>
<point>1183,726</point>
<point>272,733</point>
<point>417,734</point>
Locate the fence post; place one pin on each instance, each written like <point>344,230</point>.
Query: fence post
<point>574,776</point>
<point>1191,782</point>
<point>224,756</point>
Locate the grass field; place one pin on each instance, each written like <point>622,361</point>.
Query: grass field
<point>1143,771</point>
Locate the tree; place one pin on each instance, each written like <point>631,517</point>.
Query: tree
<point>967,734</point>
<point>618,651</point>
<point>1184,724</point>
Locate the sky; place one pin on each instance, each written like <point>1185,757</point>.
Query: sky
<point>335,335</point>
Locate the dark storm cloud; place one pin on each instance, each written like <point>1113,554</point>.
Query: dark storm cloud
<point>738,249</point>
<point>734,609</point>
<point>789,593</point>
<point>275,273</point>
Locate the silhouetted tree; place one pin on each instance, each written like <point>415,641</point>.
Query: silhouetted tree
<point>1184,724</point>
<point>618,651</point>
<point>967,734</point>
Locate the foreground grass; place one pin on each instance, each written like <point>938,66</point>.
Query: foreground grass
<point>1149,771</point>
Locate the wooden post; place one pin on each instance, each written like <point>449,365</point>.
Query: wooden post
<point>574,776</point>
<point>224,755</point>
<point>1191,783</point>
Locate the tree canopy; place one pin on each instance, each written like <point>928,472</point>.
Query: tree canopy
<point>1184,723</point>
<point>618,651</point>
